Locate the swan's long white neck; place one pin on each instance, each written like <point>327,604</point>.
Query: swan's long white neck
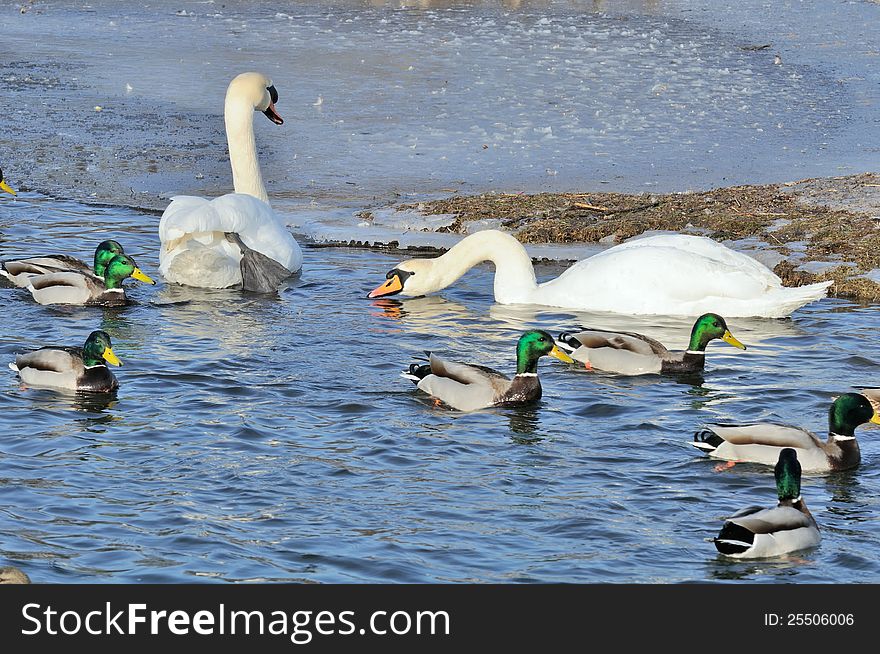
<point>514,274</point>
<point>246,175</point>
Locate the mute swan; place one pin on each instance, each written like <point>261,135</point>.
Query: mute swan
<point>670,274</point>
<point>628,353</point>
<point>73,368</point>
<point>761,442</point>
<point>236,238</point>
<point>788,527</point>
<point>468,387</point>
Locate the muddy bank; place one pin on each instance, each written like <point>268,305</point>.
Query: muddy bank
<point>810,230</point>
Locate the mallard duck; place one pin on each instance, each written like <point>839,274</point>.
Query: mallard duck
<point>756,532</point>
<point>10,575</point>
<point>671,274</point>
<point>85,288</point>
<point>20,271</point>
<point>235,238</point>
<point>74,368</point>
<point>761,442</point>
<point>4,186</point>
<point>468,387</point>
<point>628,353</point>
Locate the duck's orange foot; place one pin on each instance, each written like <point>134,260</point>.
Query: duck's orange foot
<point>587,365</point>
<point>727,465</point>
<point>437,402</point>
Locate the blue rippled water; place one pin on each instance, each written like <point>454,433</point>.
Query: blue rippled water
<point>262,438</point>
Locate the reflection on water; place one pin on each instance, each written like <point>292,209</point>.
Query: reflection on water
<point>258,437</point>
<point>524,423</point>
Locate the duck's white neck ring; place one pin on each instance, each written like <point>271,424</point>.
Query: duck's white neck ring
<point>838,437</point>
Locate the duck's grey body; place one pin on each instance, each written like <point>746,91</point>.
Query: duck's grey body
<point>63,367</point>
<point>469,387</point>
<point>762,442</point>
<point>74,288</point>
<point>20,271</point>
<point>628,353</point>
<point>759,533</point>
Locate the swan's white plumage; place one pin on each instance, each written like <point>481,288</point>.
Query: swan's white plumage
<point>670,274</point>
<point>195,250</point>
<point>676,274</point>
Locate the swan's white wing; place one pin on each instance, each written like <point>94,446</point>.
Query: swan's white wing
<point>193,229</point>
<point>676,275</point>
<point>704,247</point>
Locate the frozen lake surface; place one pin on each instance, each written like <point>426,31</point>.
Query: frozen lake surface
<point>418,99</point>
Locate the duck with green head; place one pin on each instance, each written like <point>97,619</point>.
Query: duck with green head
<point>755,532</point>
<point>4,186</point>
<point>761,442</point>
<point>72,368</point>
<point>628,353</point>
<point>20,271</point>
<point>469,387</point>
<point>80,288</point>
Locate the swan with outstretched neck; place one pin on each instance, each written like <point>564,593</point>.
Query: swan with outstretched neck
<point>235,239</point>
<point>668,274</point>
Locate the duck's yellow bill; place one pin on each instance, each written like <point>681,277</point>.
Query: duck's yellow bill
<point>5,187</point>
<point>109,357</point>
<point>141,277</point>
<point>392,286</point>
<point>728,338</point>
<point>559,354</point>
<point>875,419</point>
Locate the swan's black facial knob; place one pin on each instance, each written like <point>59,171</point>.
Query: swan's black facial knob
<point>270,112</point>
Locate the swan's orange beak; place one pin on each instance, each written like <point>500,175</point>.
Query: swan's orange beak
<point>392,286</point>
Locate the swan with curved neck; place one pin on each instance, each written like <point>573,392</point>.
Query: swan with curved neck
<point>669,274</point>
<point>236,238</point>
